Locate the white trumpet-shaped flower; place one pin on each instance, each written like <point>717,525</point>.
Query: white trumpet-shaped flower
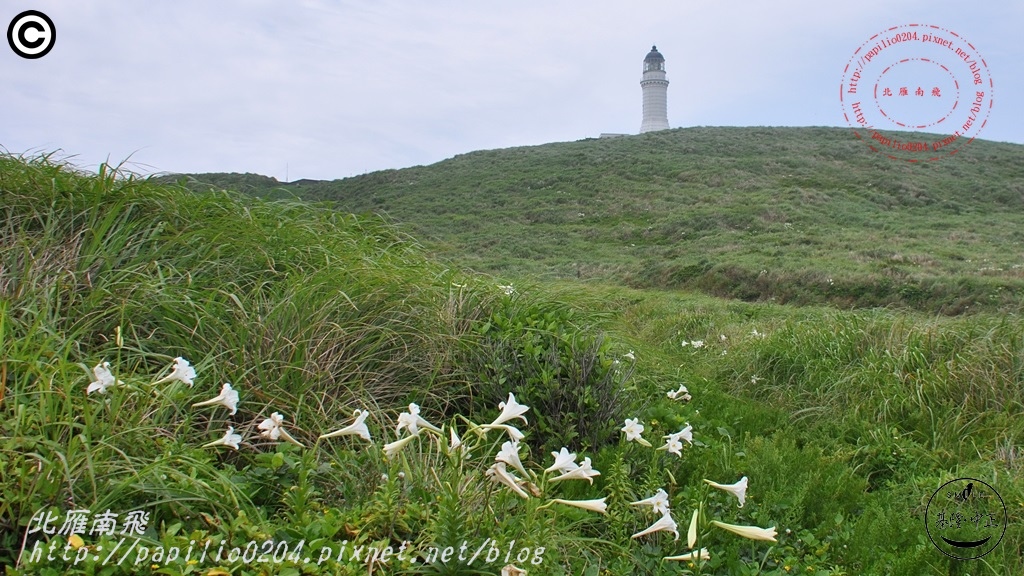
<point>181,371</point>
<point>509,454</point>
<point>228,398</point>
<point>694,556</point>
<point>633,430</point>
<point>565,461</point>
<point>599,506</point>
<point>673,445</point>
<point>510,409</point>
<point>230,439</point>
<point>512,431</point>
<point>104,379</point>
<point>664,524</point>
<point>682,394</point>
<point>413,421</point>
<point>752,532</point>
<point>684,434</point>
<point>584,471</point>
<point>357,428</point>
<point>273,428</point>
<point>658,502</point>
<point>500,473</point>
<point>392,448</point>
<point>630,356</point>
<point>739,489</point>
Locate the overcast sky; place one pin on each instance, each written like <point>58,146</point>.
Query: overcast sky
<point>329,89</point>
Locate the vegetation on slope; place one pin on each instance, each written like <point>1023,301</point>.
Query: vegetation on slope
<point>844,422</point>
<point>797,215</point>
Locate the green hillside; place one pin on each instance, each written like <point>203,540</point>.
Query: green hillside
<point>802,215</point>
<point>842,425</point>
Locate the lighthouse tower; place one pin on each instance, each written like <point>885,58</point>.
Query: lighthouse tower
<point>655,87</point>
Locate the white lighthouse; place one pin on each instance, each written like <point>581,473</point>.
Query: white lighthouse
<point>655,87</point>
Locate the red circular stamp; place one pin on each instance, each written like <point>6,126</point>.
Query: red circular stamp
<point>926,82</point>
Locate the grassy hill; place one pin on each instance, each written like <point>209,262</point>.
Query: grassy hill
<point>800,215</point>
<point>844,423</point>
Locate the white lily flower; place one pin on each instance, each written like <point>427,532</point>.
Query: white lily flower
<point>500,473</point>
<point>565,461</point>
<point>228,397</point>
<point>752,532</point>
<point>510,409</point>
<point>685,434</point>
<point>180,370</point>
<point>413,421</point>
<point>633,429</point>
<point>584,471</point>
<point>598,506</point>
<point>739,489</point>
<point>104,379</point>
<point>659,502</point>
<point>509,454</point>
<point>691,534</point>
<point>273,428</point>
<point>357,428</point>
<point>694,556</point>
<point>393,448</point>
<point>513,432</point>
<point>630,356</point>
<point>508,290</point>
<point>697,343</point>
<point>722,337</point>
<point>682,394</point>
<point>512,570</point>
<point>665,523</point>
<point>673,445</point>
<point>230,439</point>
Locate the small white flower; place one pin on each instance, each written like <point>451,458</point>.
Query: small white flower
<point>565,461</point>
<point>413,421</point>
<point>273,428</point>
<point>739,489</point>
<point>104,379</point>
<point>659,502</point>
<point>752,532</point>
<point>584,471</point>
<point>512,431</point>
<point>685,434</point>
<point>508,290</point>
<point>665,523</point>
<point>357,428</point>
<point>180,370</point>
<point>512,570</point>
<point>633,430</point>
<point>393,448</point>
<point>230,439</point>
<point>722,337</point>
<point>755,379</point>
<point>509,454</point>
<point>598,506</point>
<point>499,473</point>
<point>228,398</point>
<point>510,409</point>
<point>673,445</point>
<point>629,356</point>
<point>697,343</point>
<point>682,394</point>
